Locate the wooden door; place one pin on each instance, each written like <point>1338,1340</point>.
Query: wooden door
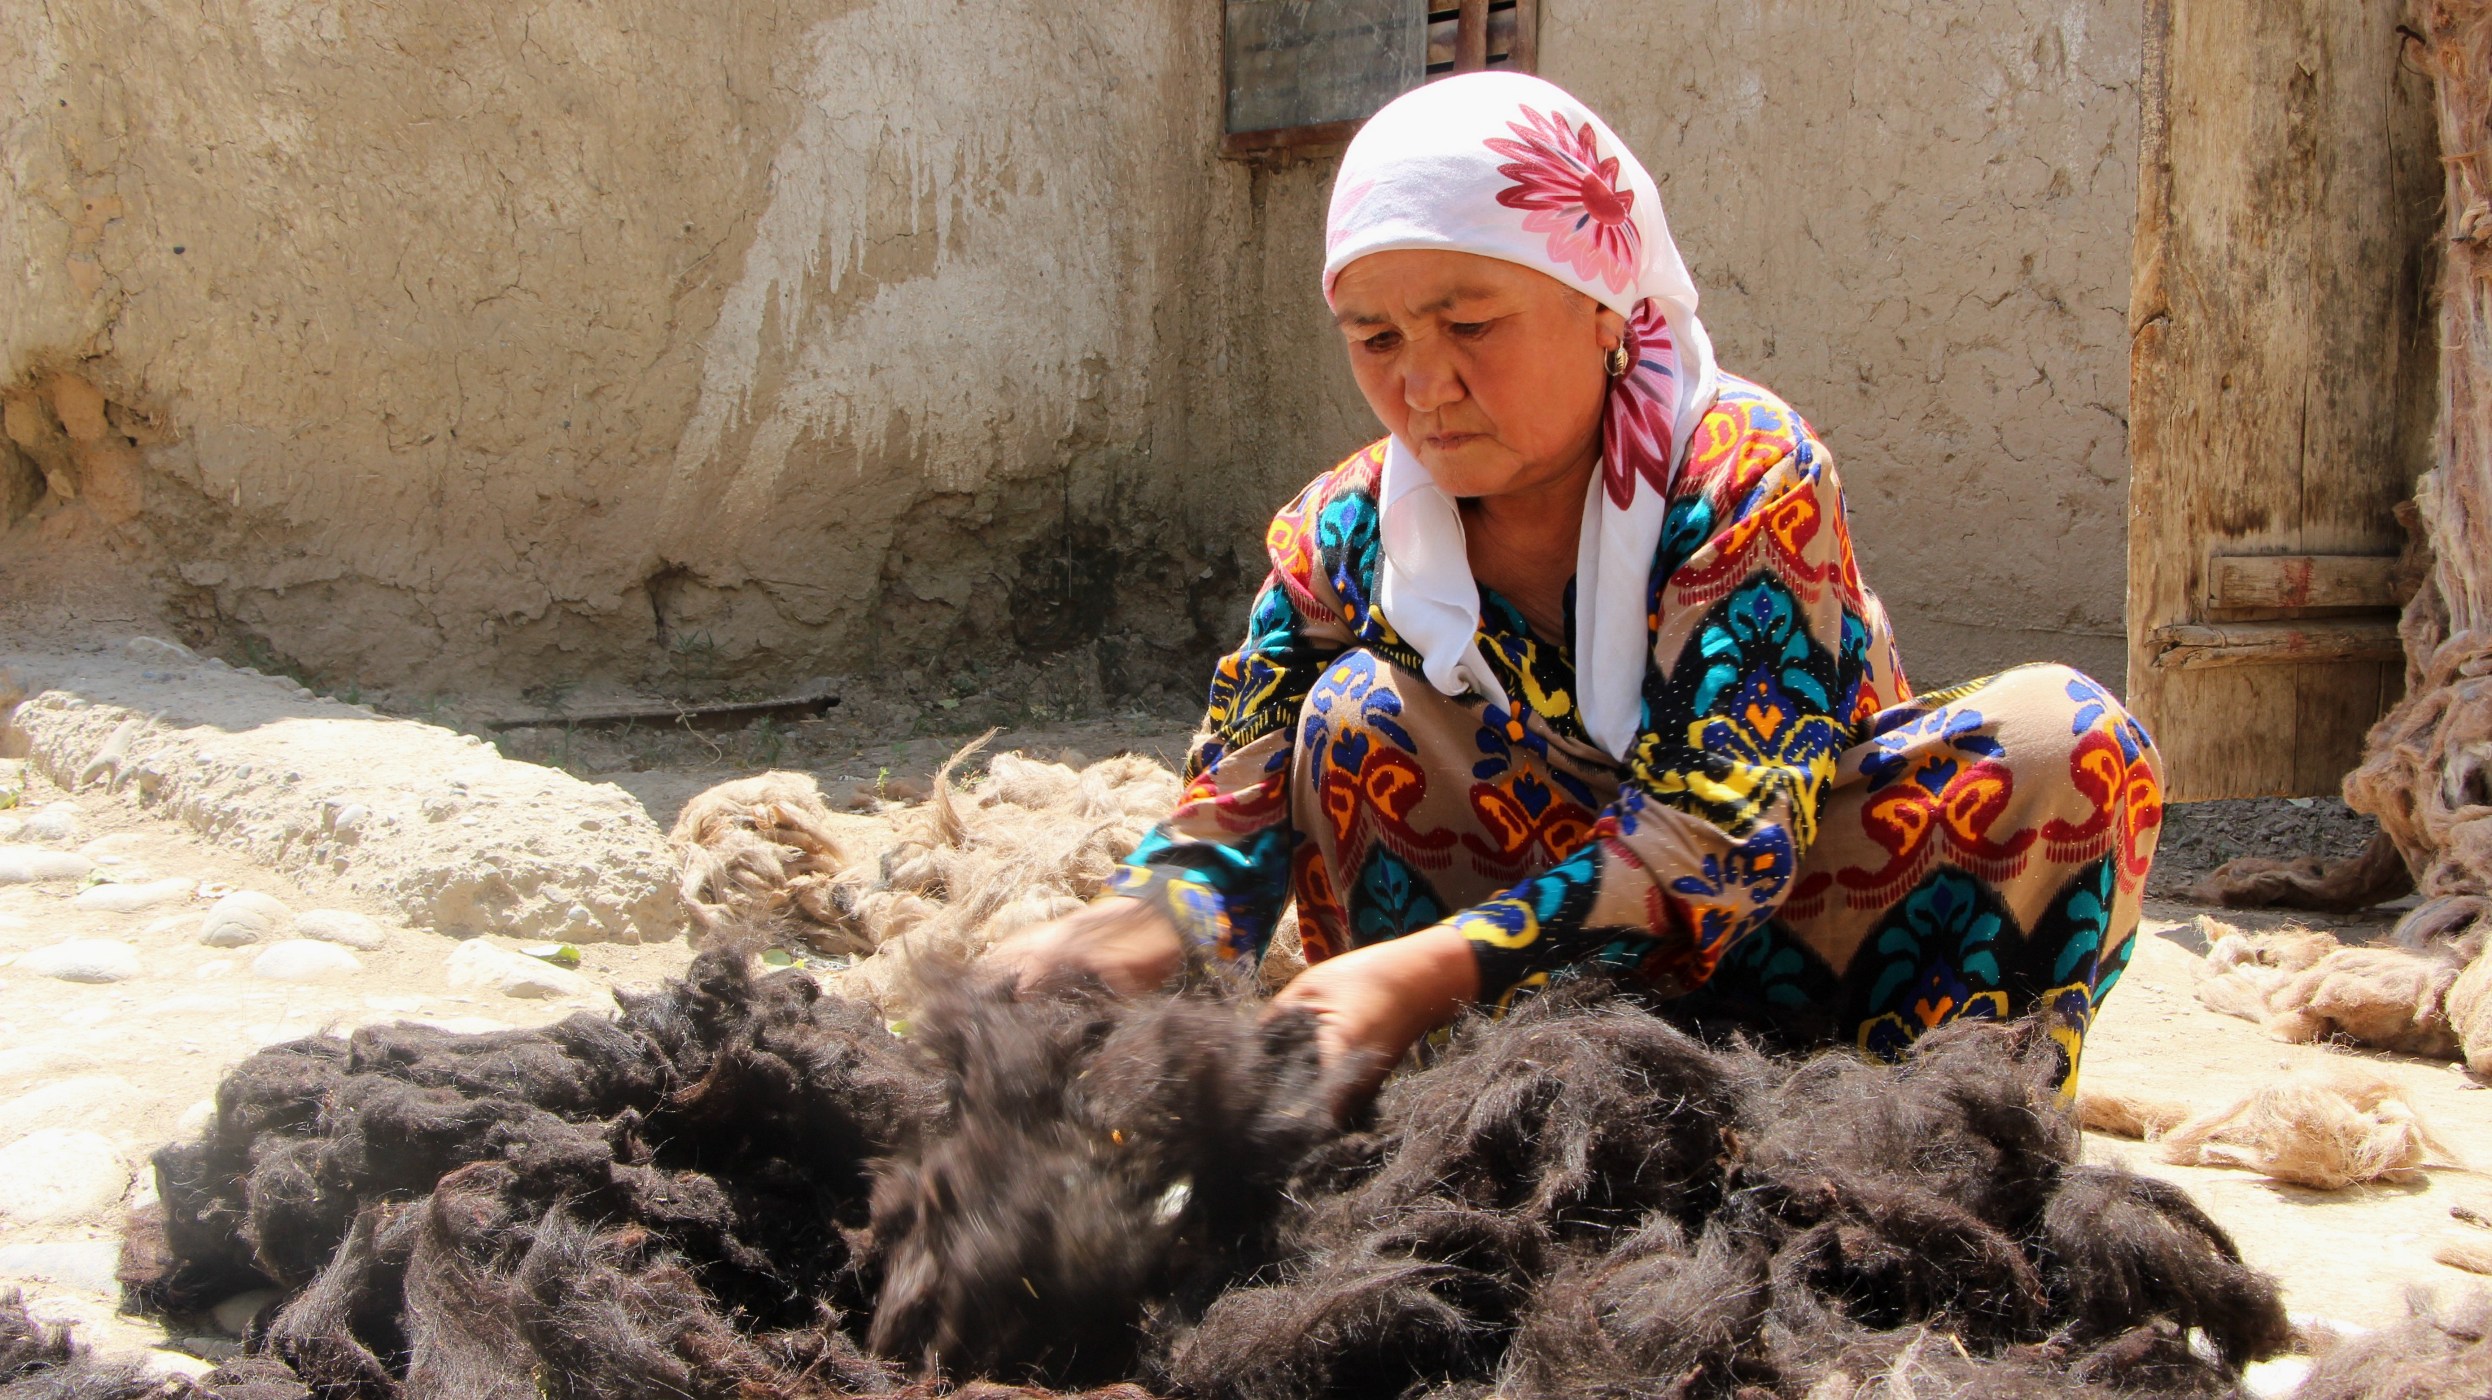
<point>2282,380</point>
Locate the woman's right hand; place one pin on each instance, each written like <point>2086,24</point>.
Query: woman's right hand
<point>1126,943</point>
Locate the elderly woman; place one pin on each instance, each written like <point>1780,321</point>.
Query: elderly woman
<point>1575,668</point>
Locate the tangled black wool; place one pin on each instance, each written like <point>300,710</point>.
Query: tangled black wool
<point>743,1188</point>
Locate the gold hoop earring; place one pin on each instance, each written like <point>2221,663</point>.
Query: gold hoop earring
<point>1618,362</point>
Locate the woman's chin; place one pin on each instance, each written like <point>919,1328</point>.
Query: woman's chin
<point>1481,469</point>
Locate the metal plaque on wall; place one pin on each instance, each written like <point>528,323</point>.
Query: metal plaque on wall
<point>1296,64</point>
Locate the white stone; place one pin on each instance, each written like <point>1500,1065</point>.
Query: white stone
<point>462,1025</point>
<point>83,960</point>
<point>305,960</point>
<point>160,1362</point>
<point>11,828</point>
<point>56,1175</point>
<point>478,965</point>
<point>195,1119</point>
<point>130,899</point>
<point>158,651</point>
<point>65,1103</point>
<point>85,1265</point>
<point>339,926</point>
<point>235,1313</point>
<point>53,821</point>
<point>27,865</point>
<point>245,916</point>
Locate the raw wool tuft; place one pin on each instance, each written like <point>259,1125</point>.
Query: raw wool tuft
<point>2470,1012</point>
<point>1031,842</point>
<point>1096,1161</point>
<point>2472,1255</point>
<point>2121,1113</point>
<point>2327,1129</point>
<point>729,1188</point>
<point>759,852</point>
<point>1778,1228</point>
<point>2438,1353</point>
<point>2303,986</point>
<point>656,1204</point>
<point>2375,876</point>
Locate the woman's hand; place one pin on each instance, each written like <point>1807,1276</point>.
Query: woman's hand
<point>1372,1004</point>
<point>1124,942</point>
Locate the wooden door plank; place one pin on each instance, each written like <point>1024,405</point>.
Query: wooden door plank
<point>2238,583</point>
<point>2196,646</point>
<point>2282,368</point>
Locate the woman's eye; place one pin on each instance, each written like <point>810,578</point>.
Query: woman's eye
<point>1381,342</point>
<point>1469,330</point>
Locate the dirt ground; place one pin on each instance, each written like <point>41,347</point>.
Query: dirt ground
<point>95,1075</point>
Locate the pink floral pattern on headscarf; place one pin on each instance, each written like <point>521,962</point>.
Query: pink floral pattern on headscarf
<point>1570,192</point>
<point>1639,429</point>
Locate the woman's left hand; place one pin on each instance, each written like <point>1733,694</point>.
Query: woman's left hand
<point>1372,1004</point>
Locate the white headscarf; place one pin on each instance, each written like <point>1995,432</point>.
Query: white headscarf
<point>1508,166</point>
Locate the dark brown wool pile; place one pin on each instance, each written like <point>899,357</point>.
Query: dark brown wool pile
<point>743,1188</point>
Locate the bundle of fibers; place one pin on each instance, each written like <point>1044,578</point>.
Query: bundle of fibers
<point>1568,1123</point>
<point>659,1204</point>
<point>2437,1353</point>
<point>2304,988</point>
<point>1103,1169</point>
<point>759,853</point>
<point>1582,1201</point>
<point>726,1190</point>
<point>1031,841</point>
<point>2323,1128</point>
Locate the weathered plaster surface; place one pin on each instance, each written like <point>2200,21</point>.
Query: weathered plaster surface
<point>521,342</point>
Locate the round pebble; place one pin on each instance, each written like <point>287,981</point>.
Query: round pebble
<point>130,899</point>
<point>477,965</point>
<point>235,1313</point>
<point>86,1265</point>
<point>27,865</point>
<point>53,821</point>
<point>245,916</point>
<point>57,1175</point>
<point>305,960</point>
<point>158,651</point>
<point>64,1103</point>
<point>83,960</point>
<point>339,926</point>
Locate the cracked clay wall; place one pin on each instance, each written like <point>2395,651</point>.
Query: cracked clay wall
<point>469,344</point>
<point>1912,221</point>
<point>464,343</point>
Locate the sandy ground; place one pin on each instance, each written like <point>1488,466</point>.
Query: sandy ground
<point>134,1062</point>
<point>2349,1256</point>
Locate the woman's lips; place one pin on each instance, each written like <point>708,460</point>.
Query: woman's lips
<point>1442,441</point>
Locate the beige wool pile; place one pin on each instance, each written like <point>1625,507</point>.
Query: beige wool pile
<point>2430,997</point>
<point>1030,841</point>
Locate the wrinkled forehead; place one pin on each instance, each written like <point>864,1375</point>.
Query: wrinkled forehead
<point>1419,282</point>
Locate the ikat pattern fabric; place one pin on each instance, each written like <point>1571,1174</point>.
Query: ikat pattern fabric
<point>1793,832</point>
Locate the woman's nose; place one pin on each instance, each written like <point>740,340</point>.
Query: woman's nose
<point>1430,383</point>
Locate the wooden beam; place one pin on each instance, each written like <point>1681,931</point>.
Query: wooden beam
<point>1471,37</point>
<point>2204,646</point>
<point>2299,582</point>
<point>1523,52</point>
<point>1290,142</point>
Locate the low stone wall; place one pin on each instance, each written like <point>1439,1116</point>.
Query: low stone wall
<point>417,818</point>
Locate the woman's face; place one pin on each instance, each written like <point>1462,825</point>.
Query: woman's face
<point>1492,373</point>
